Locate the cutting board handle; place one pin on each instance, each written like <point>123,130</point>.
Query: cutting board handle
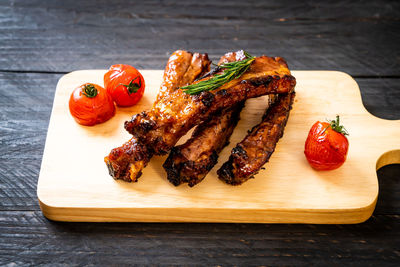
<point>390,157</point>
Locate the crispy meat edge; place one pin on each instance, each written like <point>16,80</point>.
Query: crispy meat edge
<point>273,123</point>
<point>182,170</point>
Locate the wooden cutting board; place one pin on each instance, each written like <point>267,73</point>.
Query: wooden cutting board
<point>74,184</point>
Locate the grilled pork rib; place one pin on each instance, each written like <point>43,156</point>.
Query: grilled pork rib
<point>173,116</point>
<point>191,161</point>
<point>182,69</point>
<point>127,161</point>
<point>257,147</point>
<point>174,113</point>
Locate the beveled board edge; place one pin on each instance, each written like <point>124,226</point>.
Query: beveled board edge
<point>300,216</point>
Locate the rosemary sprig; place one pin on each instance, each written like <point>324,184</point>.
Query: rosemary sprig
<point>232,70</point>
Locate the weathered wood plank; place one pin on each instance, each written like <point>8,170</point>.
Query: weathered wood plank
<point>381,97</point>
<point>25,106</point>
<point>38,241</point>
<point>358,38</point>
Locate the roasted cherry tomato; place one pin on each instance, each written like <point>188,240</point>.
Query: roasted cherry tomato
<point>90,104</point>
<point>326,145</point>
<point>125,84</point>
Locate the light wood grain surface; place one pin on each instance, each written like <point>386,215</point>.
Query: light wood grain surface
<point>74,184</point>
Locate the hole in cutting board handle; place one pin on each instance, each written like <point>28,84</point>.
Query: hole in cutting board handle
<point>386,106</point>
<point>388,171</point>
<point>390,157</point>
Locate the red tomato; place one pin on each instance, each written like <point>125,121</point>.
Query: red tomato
<point>125,84</point>
<point>326,145</point>
<point>90,104</point>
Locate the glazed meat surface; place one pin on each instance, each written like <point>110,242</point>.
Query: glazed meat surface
<point>182,69</point>
<point>190,162</point>
<point>127,161</point>
<point>173,116</point>
<point>257,147</point>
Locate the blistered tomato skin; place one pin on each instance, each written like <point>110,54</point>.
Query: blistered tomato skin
<point>125,84</point>
<point>90,104</point>
<point>325,149</point>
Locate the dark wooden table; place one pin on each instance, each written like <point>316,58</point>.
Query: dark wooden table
<point>40,41</point>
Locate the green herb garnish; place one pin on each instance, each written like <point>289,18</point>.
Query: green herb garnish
<point>232,70</point>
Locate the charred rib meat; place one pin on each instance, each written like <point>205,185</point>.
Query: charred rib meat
<point>257,147</point>
<point>127,161</point>
<point>191,161</point>
<point>174,113</point>
<point>161,127</point>
<point>182,69</point>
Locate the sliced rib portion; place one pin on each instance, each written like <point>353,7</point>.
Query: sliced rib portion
<point>257,147</point>
<point>190,162</point>
<point>182,69</point>
<point>127,161</point>
<point>173,116</point>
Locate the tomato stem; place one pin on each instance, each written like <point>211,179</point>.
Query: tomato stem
<point>335,125</point>
<point>89,90</point>
<point>133,87</point>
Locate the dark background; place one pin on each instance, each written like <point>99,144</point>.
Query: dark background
<point>42,40</point>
